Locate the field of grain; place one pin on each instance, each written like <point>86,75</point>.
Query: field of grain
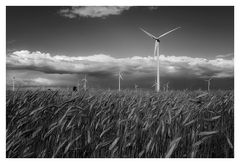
<point>129,124</point>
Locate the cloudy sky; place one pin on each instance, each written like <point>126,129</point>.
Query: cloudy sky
<point>57,46</point>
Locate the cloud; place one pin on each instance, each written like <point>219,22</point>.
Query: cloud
<point>225,56</point>
<point>34,82</point>
<point>37,81</point>
<point>103,66</point>
<point>42,81</point>
<point>92,11</point>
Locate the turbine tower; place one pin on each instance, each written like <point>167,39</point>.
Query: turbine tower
<point>85,83</point>
<point>156,52</point>
<point>209,83</point>
<point>119,80</point>
<point>13,82</point>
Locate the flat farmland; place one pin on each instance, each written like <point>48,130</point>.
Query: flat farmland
<point>126,124</point>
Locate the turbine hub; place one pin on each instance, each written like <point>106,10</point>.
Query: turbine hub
<point>158,40</point>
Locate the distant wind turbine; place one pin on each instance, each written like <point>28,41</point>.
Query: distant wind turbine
<point>136,86</point>
<point>156,52</point>
<point>13,82</point>
<point>85,83</point>
<point>209,83</point>
<point>79,85</point>
<point>166,89</point>
<point>155,85</point>
<point>119,80</point>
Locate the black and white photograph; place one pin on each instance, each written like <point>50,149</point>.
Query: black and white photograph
<point>119,81</point>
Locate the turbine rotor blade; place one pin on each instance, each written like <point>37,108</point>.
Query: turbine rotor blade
<point>168,32</point>
<point>120,75</point>
<point>154,84</point>
<point>150,35</point>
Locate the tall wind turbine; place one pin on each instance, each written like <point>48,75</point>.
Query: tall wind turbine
<point>85,83</point>
<point>13,82</point>
<point>209,83</point>
<point>119,80</point>
<point>156,51</point>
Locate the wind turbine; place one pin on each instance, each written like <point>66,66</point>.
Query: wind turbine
<point>209,83</point>
<point>156,52</point>
<point>79,85</point>
<point>155,85</point>
<point>136,86</point>
<point>167,86</point>
<point>85,83</point>
<point>13,82</point>
<point>119,80</point>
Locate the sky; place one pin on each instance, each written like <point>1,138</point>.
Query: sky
<point>58,46</point>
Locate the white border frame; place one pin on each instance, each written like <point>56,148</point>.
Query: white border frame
<point>4,3</point>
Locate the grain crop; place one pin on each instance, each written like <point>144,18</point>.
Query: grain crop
<point>126,124</point>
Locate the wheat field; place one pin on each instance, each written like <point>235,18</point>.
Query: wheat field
<point>126,124</point>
